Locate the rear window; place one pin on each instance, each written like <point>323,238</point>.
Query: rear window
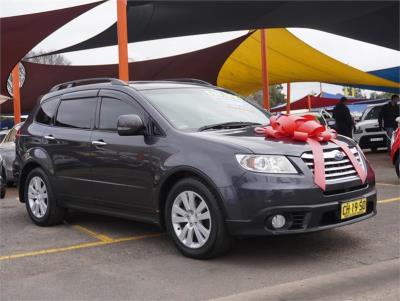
<point>47,110</point>
<point>76,113</point>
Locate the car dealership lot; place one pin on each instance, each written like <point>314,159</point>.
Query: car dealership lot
<point>96,257</point>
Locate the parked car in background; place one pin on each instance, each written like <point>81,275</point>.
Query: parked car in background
<point>7,151</point>
<point>3,181</point>
<point>367,132</point>
<point>185,155</point>
<point>395,148</point>
<point>322,115</point>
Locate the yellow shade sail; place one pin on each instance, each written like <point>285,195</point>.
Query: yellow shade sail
<point>289,60</point>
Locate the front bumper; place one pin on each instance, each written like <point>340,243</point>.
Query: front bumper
<point>252,199</point>
<point>301,219</point>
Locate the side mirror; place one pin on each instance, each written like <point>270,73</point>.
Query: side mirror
<point>130,125</point>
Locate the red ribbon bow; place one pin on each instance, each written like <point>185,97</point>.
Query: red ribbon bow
<point>307,129</point>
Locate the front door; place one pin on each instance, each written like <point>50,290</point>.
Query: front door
<point>122,172</point>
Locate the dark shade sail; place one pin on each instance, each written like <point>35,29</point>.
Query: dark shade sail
<point>19,34</point>
<point>202,64</point>
<point>375,22</point>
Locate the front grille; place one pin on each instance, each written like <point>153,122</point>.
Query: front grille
<point>335,169</point>
<point>372,130</point>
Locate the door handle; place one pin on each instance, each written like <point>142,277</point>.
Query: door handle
<point>49,137</point>
<point>99,143</point>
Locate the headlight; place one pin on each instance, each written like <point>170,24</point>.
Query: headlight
<point>357,130</point>
<point>266,163</point>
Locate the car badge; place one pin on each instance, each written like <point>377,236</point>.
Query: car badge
<point>339,155</point>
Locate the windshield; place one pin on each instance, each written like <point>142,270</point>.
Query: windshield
<point>194,108</point>
<point>371,114</point>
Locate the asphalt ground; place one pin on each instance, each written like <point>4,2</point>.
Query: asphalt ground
<point>92,257</point>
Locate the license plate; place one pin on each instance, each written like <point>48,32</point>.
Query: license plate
<point>353,208</point>
<point>376,139</point>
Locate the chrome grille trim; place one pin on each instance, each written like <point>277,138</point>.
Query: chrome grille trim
<point>341,170</point>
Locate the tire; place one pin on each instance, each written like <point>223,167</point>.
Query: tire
<point>42,193</point>
<point>200,246</point>
<point>397,166</point>
<point>3,185</point>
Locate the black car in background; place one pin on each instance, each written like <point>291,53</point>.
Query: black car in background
<point>184,155</point>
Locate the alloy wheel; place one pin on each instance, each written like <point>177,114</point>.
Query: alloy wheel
<point>191,219</point>
<point>37,197</point>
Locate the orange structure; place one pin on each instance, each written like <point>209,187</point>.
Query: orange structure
<point>309,102</point>
<point>16,94</point>
<point>264,68</point>
<point>122,28</point>
<point>288,98</point>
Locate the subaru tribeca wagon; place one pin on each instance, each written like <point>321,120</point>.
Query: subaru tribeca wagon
<point>184,155</point>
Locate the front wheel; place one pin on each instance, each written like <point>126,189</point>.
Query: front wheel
<point>194,220</point>
<point>39,200</point>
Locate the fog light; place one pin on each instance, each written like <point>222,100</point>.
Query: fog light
<point>278,221</point>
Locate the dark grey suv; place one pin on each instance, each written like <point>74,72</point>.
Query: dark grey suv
<point>184,155</point>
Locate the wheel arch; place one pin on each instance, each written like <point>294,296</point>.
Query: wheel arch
<point>174,177</point>
<point>28,167</point>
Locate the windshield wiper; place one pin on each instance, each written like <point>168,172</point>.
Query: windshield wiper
<point>227,125</point>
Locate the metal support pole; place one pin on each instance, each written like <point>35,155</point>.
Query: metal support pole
<point>288,99</point>
<point>16,94</point>
<point>264,68</point>
<point>309,102</point>
<point>122,27</point>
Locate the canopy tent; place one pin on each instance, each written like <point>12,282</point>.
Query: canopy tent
<point>234,65</point>
<point>326,100</point>
<point>392,74</point>
<point>375,22</point>
<point>289,60</point>
<point>19,34</point>
<point>40,78</point>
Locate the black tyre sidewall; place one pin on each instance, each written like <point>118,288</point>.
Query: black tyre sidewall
<point>51,203</point>
<point>217,221</point>
<point>397,167</point>
<point>3,185</point>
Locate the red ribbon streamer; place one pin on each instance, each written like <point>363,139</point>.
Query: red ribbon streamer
<point>307,129</point>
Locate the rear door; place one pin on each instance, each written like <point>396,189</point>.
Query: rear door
<point>122,172</point>
<point>68,143</point>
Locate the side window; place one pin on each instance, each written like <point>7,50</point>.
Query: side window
<point>76,113</point>
<point>47,110</point>
<point>110,110</point>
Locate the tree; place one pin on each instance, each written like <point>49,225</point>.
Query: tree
<point>53,59</point>
<point>276,97</point>
<point>382,95</point>
<point>353,92</point>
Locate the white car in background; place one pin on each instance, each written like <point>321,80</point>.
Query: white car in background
<point>367,132</point>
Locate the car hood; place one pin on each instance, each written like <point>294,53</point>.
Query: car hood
<point>370,123</point>
<point>258,144</point>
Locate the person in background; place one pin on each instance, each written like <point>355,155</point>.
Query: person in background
<point>342,116</point>
<point>387,117</point>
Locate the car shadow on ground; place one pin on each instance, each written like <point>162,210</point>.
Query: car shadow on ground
<point>276,249</point>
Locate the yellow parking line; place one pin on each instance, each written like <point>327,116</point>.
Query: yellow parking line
<point>387,184</point>
<point>77,246</point>
<point>389,200</point>
<point>100,237</point>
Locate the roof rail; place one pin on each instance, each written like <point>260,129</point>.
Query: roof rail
<point>188,80</point>
<point>113,81</point>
